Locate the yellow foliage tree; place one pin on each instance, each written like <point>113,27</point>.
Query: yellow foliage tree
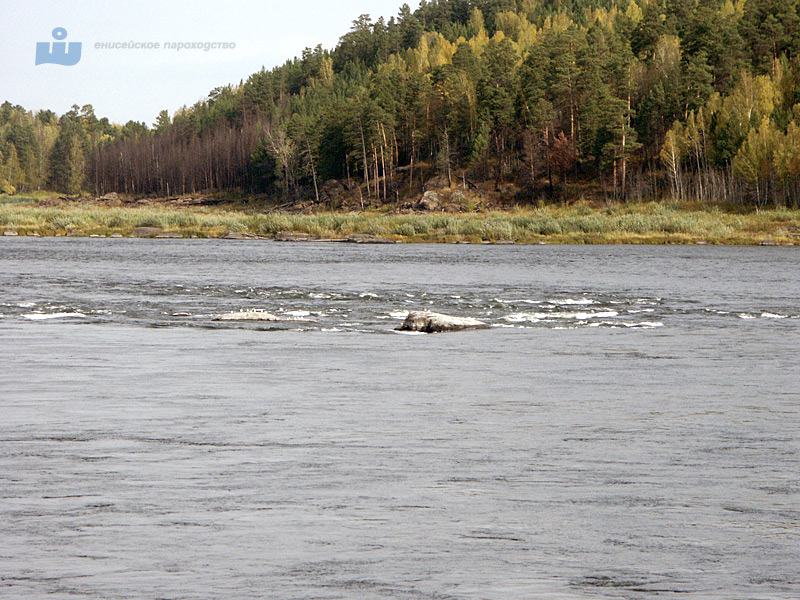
<point>751,99</point>
<point>787,153</point>
<point>634,13</point>
<point>755,160</point>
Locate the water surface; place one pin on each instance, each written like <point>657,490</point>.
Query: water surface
<point>627,428</point>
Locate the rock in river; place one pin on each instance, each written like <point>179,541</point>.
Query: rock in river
<point>431,322</point>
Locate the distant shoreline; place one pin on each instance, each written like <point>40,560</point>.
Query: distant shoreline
<point>651,223</point>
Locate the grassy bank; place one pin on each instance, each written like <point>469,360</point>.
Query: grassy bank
<point>624,224</point>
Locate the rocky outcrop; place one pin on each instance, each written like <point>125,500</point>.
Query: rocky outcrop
<point>430,201</point>
<point>431,322</point>
<point>438,182</point>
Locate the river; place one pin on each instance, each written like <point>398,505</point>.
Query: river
<point>628,427</point>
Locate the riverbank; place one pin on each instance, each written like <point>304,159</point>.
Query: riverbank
<point>651,223</point>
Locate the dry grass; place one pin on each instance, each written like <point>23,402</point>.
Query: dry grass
<point>651,223</point>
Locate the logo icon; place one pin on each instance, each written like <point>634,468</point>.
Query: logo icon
<point>59,54</point>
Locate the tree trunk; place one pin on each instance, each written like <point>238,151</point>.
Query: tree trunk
<point>364,155</point>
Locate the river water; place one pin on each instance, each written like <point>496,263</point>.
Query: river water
<point>628,427</point>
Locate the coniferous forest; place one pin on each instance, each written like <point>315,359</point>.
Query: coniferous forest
<point>688,100</point>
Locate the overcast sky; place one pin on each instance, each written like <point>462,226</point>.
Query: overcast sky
<point>125,84</point>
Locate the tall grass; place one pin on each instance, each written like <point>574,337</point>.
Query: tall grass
<point>638,223</point>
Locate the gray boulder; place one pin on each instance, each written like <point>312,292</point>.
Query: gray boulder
<point>431,322</point>
<point>430,201</point>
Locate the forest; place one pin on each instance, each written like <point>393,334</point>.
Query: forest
<point>631,100</point>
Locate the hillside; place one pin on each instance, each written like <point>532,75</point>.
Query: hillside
<point>516,101</point>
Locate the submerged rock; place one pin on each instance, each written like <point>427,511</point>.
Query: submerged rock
<point>431,322</point>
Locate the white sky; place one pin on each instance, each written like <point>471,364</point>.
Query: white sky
<point>138,84</point>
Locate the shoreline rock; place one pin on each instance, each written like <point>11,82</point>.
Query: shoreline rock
<point>430,322</point>
<point>238,235</point>
<point>289,236</point>
<point>363,238</point>
<point>358,238</point>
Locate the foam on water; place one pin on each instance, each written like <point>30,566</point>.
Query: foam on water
<point>572,301</point>
<point>46,316</point>
<point>644,324</point>
<point>522,317</point>
<point>542,316</point>
<point>188,305</point>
